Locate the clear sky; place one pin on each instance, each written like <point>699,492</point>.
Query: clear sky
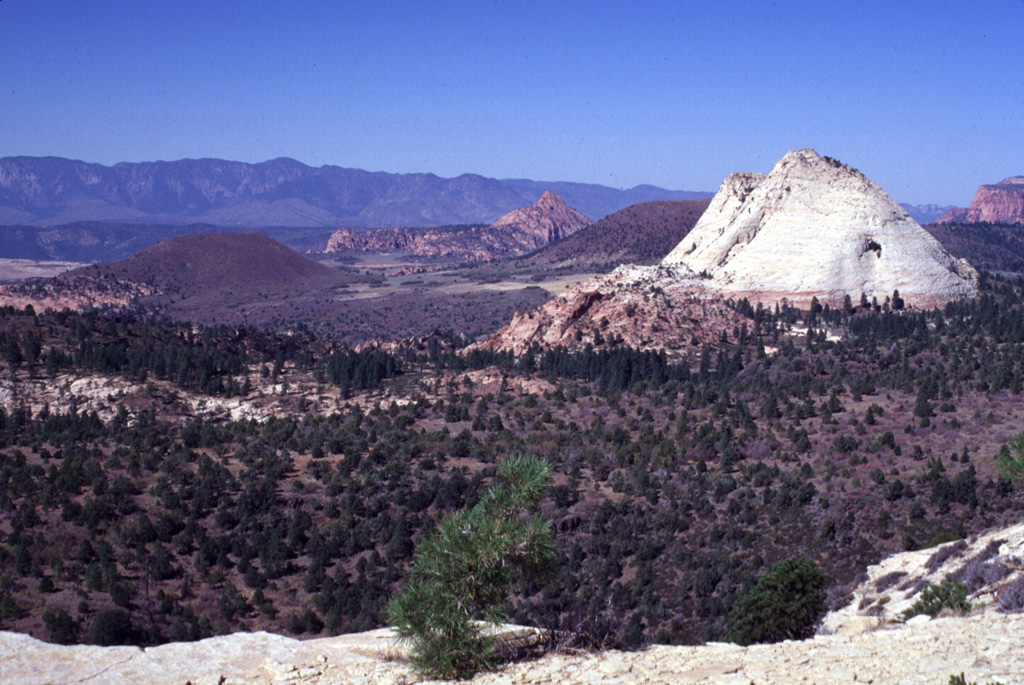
<point>927,99</point>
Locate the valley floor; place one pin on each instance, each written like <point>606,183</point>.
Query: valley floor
<point>16,270</point>
<point>984,646</point>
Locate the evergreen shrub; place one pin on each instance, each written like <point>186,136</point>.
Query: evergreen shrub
<point>464,572</point>
<point>784,604</point>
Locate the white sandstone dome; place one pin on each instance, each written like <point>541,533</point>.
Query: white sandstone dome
<point>814,227</point>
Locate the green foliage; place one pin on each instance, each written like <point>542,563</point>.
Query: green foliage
<point>112,627</point>
<point>465,570</point>
<point>785,604</point>
<point>951,594</point>
<point>62,628</point>
<point>355,371</point>
<point>207,502</point>
<point>962,680</point>
<point>1011,459</point>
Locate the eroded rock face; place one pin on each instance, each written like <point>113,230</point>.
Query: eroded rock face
<point>1001,203</point>
<point>379,240</point>
<point>548,220</point>
<point>813,227</point>
<point>648,308</point>
<point>519,231</point>
<point>343,239</point>
<point>997,203</point>
<point>954,215</point>
<point>867,646</point>
<point>817,228</point>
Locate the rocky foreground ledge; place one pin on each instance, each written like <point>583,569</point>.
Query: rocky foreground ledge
<point>985,647</point>
<point>864,642</point>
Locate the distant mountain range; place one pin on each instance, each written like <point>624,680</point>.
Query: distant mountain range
<point>924,214</point>
<point>50,191</point>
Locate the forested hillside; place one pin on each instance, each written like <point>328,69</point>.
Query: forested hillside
<point>993,247</point>
<point>675,486</point>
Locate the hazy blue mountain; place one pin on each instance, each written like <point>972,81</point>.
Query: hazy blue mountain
<point>924,214</point>
<point>48,191</point>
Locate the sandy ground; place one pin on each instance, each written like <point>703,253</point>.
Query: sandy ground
<point>17,270</point>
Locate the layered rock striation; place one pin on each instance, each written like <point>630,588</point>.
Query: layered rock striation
<point>1002,203</point>
<point>814,227</point>
<point>997,203</point>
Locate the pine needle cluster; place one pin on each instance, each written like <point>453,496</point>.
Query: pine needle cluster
<point>464,572</point>
<point>1011,459</point>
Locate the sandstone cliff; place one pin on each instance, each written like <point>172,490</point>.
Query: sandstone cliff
<point>519,231</point>
<point>382,240</point>
<point>996,203</point>
<point>1001,203</point>
<point>814,227</point>
<point>953,215</point>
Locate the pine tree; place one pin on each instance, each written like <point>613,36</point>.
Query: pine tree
<point>1011,459</point>
<point>465,571</point>
<point>785,604</point>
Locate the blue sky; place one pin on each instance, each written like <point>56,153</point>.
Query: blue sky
<point>926,99</point>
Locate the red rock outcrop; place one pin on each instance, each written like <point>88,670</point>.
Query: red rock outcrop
<point>1001,203</point>
<point>343,239</point>
<point>996,203</point>
<point>648,308</point>
<point>519,231</point>
<point>955,215</point>
<point>379,240</point>
<point>548,220</point>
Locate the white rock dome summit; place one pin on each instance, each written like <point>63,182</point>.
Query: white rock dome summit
<point>814,227</point>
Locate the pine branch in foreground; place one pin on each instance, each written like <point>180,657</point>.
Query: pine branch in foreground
<point>464,572</point>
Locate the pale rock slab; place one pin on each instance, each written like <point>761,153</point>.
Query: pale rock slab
<point>814,227</point>
<point>985,647</point>
<point>895,583</point>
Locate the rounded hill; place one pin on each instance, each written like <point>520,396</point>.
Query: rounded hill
<point>639,234</point>
<point>205,261</point>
